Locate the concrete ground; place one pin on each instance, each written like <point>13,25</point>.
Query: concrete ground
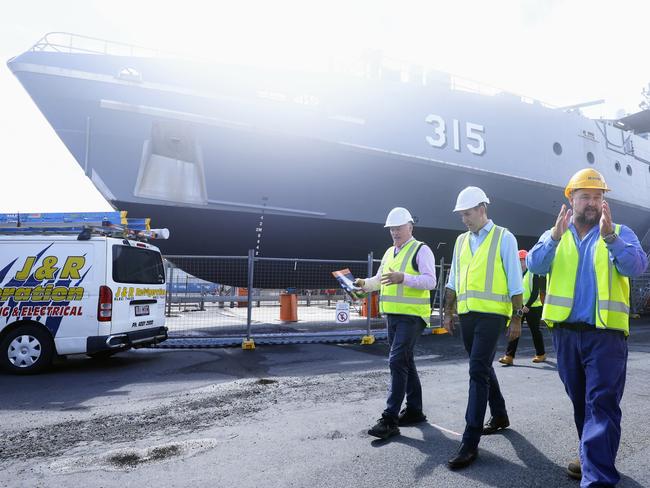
<point>295,416</point>
<point>216,321</point>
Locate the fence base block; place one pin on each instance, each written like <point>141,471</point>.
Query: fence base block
<point>439,330</point>
<point>367,340</point>
<point>248,344</point>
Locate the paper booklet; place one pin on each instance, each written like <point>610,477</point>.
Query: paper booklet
<point>346,280</point>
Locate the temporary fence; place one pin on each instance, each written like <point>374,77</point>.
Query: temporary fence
<point>248,300</point>
<point>640,294</point>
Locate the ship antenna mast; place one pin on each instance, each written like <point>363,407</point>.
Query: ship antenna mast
<point>645,93</point>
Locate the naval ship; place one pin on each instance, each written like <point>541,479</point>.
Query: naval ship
<point>307,165</point>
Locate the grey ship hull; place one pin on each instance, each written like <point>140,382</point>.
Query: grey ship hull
<point>208,153</point>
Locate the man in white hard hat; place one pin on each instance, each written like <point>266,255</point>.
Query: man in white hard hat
<point>405,276</point>
<point>485,288</point>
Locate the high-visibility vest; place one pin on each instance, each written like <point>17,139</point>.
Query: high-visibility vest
<point>480,279</point>
<point>401,299</point>
<point>612,308</point>
<point>528,288</point>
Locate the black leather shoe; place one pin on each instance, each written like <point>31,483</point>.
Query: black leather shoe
<point>384,428</point>
<point>465,456</point>
<point>495,424</point>
<point>411,417</point>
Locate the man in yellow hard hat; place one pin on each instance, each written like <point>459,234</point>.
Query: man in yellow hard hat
<point>405,276</point>
<point>589,260</point>
<point>485,288</point>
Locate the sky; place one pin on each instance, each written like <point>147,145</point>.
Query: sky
<point>561,52</point>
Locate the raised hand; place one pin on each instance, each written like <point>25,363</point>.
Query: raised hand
<point>606,225</point>
<point>562,223</point>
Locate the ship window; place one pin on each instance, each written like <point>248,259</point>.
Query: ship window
<point>557,148</point>
<point>617,165</point>
<point>628,169</point>
<point>590,157</point>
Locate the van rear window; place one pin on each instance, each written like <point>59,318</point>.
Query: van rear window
<point>138,266</point>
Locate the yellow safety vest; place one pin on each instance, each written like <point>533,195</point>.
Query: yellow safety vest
<point>401,299</point>
<point>612,310</point>
<point>480,279</point>
<point>528,288</point>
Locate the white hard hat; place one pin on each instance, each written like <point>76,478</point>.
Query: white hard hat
<point>470,197</point>
<point>398,216</point>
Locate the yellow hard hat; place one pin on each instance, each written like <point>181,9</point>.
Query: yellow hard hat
<point>585,178</point>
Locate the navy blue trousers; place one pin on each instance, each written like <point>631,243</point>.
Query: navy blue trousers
<point>403,334</point>
<point>481,332</point>
<point>592,364</point>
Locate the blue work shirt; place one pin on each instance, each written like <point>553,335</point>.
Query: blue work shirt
<point>508,253</point>
<point>625,252</point>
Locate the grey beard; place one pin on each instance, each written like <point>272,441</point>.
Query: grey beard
<point>583,220</point>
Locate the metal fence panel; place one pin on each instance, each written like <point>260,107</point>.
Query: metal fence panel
<point>208,298</point>
<point>211,305</point>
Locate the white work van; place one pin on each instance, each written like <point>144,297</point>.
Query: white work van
<point>68,294</point>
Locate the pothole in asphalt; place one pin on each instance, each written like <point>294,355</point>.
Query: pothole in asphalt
<point>130,458</point>
<point>266,381</point>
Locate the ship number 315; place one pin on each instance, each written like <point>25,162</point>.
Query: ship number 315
<point>473,134</point>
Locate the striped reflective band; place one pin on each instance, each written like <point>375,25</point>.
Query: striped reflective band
<point>559,301</point>
<point>492,253</point>
<point>405,261</point>
<point>403,299</point>
<point>485,295</point>
<point>489,274</point>
<point>612,306</point>
<point>609,305</point>
<point>457,252</point>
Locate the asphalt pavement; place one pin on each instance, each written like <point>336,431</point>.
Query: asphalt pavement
<point>296,416</point>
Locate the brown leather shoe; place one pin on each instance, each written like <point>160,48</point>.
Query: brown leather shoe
<point>507,360</point>
<point>540,358</point>
<point>464,457</point>
<point>574,469</point>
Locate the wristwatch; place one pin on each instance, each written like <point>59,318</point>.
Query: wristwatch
<point>518,313</point>
<point>609,238</point>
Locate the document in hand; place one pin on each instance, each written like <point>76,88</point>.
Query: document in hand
<point>346,280</point>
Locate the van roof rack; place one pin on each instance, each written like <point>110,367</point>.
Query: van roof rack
<point>85,224</point>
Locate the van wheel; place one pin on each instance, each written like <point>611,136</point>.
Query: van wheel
<point>27,349</point>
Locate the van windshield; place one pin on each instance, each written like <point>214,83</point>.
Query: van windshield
<point>138,266</point>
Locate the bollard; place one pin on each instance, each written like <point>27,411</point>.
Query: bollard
<point>369,339</point>
<point>242,292</point>
<point>374,306</point>
<point>288,307</point>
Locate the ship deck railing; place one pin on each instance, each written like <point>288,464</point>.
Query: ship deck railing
<point>66,42</point>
